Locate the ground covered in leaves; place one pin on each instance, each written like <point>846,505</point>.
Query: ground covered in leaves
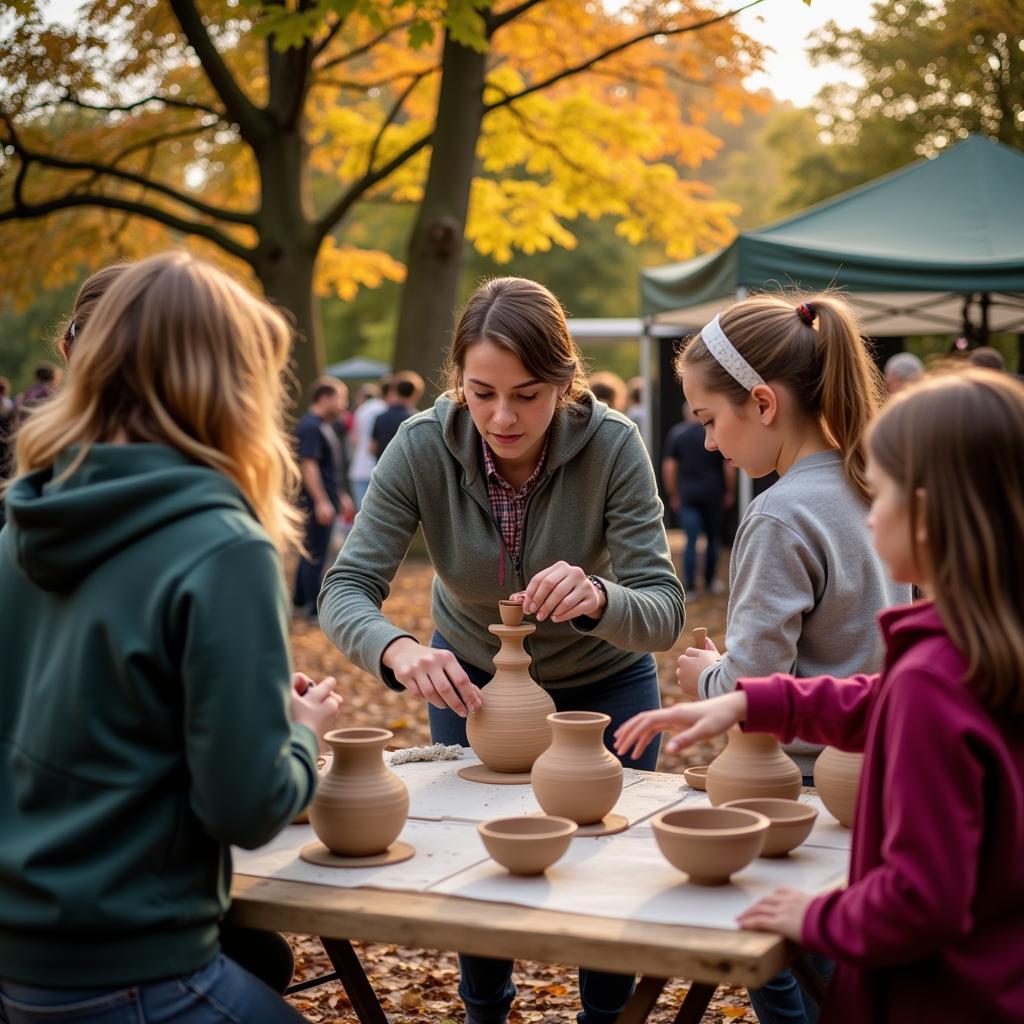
<point>419,986</point>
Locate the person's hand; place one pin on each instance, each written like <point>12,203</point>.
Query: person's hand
<point>691,663</point>
<point>324,512</point>
<point>432,675</point>
<point>314,704</point>
<point>348,508</point>
<point>561,592</point>
<point>698,720</point>
<point>782,912</point>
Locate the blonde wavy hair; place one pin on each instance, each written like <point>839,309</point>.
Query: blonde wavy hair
<point>958,436</point>
<point>179,354</point>
<point>827,366</point>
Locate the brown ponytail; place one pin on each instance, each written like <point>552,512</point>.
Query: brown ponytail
<point>824,363</point>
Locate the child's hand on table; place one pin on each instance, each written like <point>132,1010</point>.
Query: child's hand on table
<point>691,663</point>
<point>781,912</point>
<point>698,721</point>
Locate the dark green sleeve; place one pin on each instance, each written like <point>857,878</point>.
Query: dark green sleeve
<point>251,769</point>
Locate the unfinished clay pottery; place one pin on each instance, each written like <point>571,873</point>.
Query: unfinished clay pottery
<point>511,730</point>
<point>697,776</point>
<point>577,777</point>
<point>752,765</point>
<point>710,843</point>
<point>360,804</point>
<point>836,777</point>
<point>511,613</point>
<point>527,845</point>
<point>791,822</point>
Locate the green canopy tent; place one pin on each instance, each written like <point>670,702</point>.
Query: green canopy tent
<point>937,247</point>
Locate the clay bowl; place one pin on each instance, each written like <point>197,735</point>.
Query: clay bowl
<point>791,822</point>
<point>710,843</point>
<point>511,613</point>
<point>527,845</point>
<point>697,776</point>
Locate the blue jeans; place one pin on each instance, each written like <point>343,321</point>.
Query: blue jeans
<point>310,573</point>
<point>694,520</point>
<point>782,1000</point>
<point>359,489</point>
<point>486,985</point>
<point>219,993</point>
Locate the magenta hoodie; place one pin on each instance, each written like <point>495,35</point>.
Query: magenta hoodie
<point>931,926</point>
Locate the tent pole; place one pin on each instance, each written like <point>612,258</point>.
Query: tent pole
<point>647,427</point>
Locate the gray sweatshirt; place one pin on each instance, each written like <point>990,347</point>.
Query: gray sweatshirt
<point>805,586</point>
<point>596,506</point>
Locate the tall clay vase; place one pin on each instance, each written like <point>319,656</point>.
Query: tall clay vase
<point>577,777</point>
<point>752,765</point>
<point>836,777</point>
<point>360,804</point>
<point>511,730</point>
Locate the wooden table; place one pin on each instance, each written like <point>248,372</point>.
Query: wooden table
<point>433,921</point>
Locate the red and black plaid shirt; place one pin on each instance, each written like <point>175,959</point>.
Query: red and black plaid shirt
<point>508,506</point>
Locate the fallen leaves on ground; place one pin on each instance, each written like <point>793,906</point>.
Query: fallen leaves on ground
<point>420,986</point>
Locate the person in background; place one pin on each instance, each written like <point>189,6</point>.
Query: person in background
<point>609,388</point>
<point>900,370</point>
<point>988,357</point>
<point>319,452</point>
<point>700,487</point>
<point>403,396</point>
<point>140,738</point>
<point>930,926</point>
<point>369,405</point>
<point>637,408</point>
<point>45,382</point>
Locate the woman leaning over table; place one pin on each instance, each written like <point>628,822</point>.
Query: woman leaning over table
<point>524,484</point>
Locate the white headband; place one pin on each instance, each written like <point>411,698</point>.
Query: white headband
<point>730,360</point>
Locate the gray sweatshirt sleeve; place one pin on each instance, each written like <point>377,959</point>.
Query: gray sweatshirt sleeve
<point>775,578</point>
<point>645,609</point>
<point>360,580</point>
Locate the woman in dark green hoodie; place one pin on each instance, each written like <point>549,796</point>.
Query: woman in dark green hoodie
<point>525,486</point>
<point>147,721</point>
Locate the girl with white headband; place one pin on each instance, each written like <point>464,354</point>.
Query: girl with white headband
<point>791,388</point>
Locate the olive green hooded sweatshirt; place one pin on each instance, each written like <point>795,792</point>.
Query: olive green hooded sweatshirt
<point>144,681</point>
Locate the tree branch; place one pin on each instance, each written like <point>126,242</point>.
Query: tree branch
<point>127,108</point>
<point>68,201</point>
<point>496,21</point>
<point>365,47</point>
<point>251,122</point>
<point>618,48</point>
<point>353,86</point>
<point>326,41</point>
<point>392,114</point>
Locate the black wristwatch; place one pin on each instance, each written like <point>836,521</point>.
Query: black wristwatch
<point>599,583</point>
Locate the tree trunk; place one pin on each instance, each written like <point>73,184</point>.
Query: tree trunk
<point>288,249</point>
<point>436,247</point>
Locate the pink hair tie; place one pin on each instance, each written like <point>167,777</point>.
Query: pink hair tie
<point>806,312</point>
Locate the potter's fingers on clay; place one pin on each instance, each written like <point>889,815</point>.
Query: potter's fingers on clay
<point>444,689</point>
<point>556,598</point>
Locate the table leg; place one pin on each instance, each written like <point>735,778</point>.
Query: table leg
<point>691,1010</point>
<point>642,1001</point>
<point>353,977</point>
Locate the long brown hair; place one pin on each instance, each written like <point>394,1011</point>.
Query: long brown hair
<point>826,366</point>
<point>524,317</point>
<point>959,437</point>
<point>179,354</point>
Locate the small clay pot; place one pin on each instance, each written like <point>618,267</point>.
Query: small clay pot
<point>360,804</point>
<point>577,777</point>
<point>752,765</point>
<point>697,776</point>
<point>791,822</point>
<point>710,843</point>
<point>700,638</point>
<point>511,612</point>
<point>836,778</point>
<point>527,845</point>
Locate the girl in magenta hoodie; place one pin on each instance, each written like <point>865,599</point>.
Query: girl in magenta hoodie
<point>931,925</point>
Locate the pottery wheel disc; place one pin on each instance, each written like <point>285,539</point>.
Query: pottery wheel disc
<point>609,825</point>
<point>317,853</point>
<point>481,773</point>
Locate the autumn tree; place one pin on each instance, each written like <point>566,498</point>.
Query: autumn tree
<point>258,130</point>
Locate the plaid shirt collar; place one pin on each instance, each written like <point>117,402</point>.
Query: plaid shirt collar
<point>492,474</point>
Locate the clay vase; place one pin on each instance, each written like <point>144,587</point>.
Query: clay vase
<point>511,613</point>
<point>577,777</point>
<point>360,804</point>
<point>752,765</point>
<point>511,730</point>
<point>836,777</point>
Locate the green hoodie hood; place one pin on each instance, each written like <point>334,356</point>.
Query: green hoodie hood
<point>59,532</point>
